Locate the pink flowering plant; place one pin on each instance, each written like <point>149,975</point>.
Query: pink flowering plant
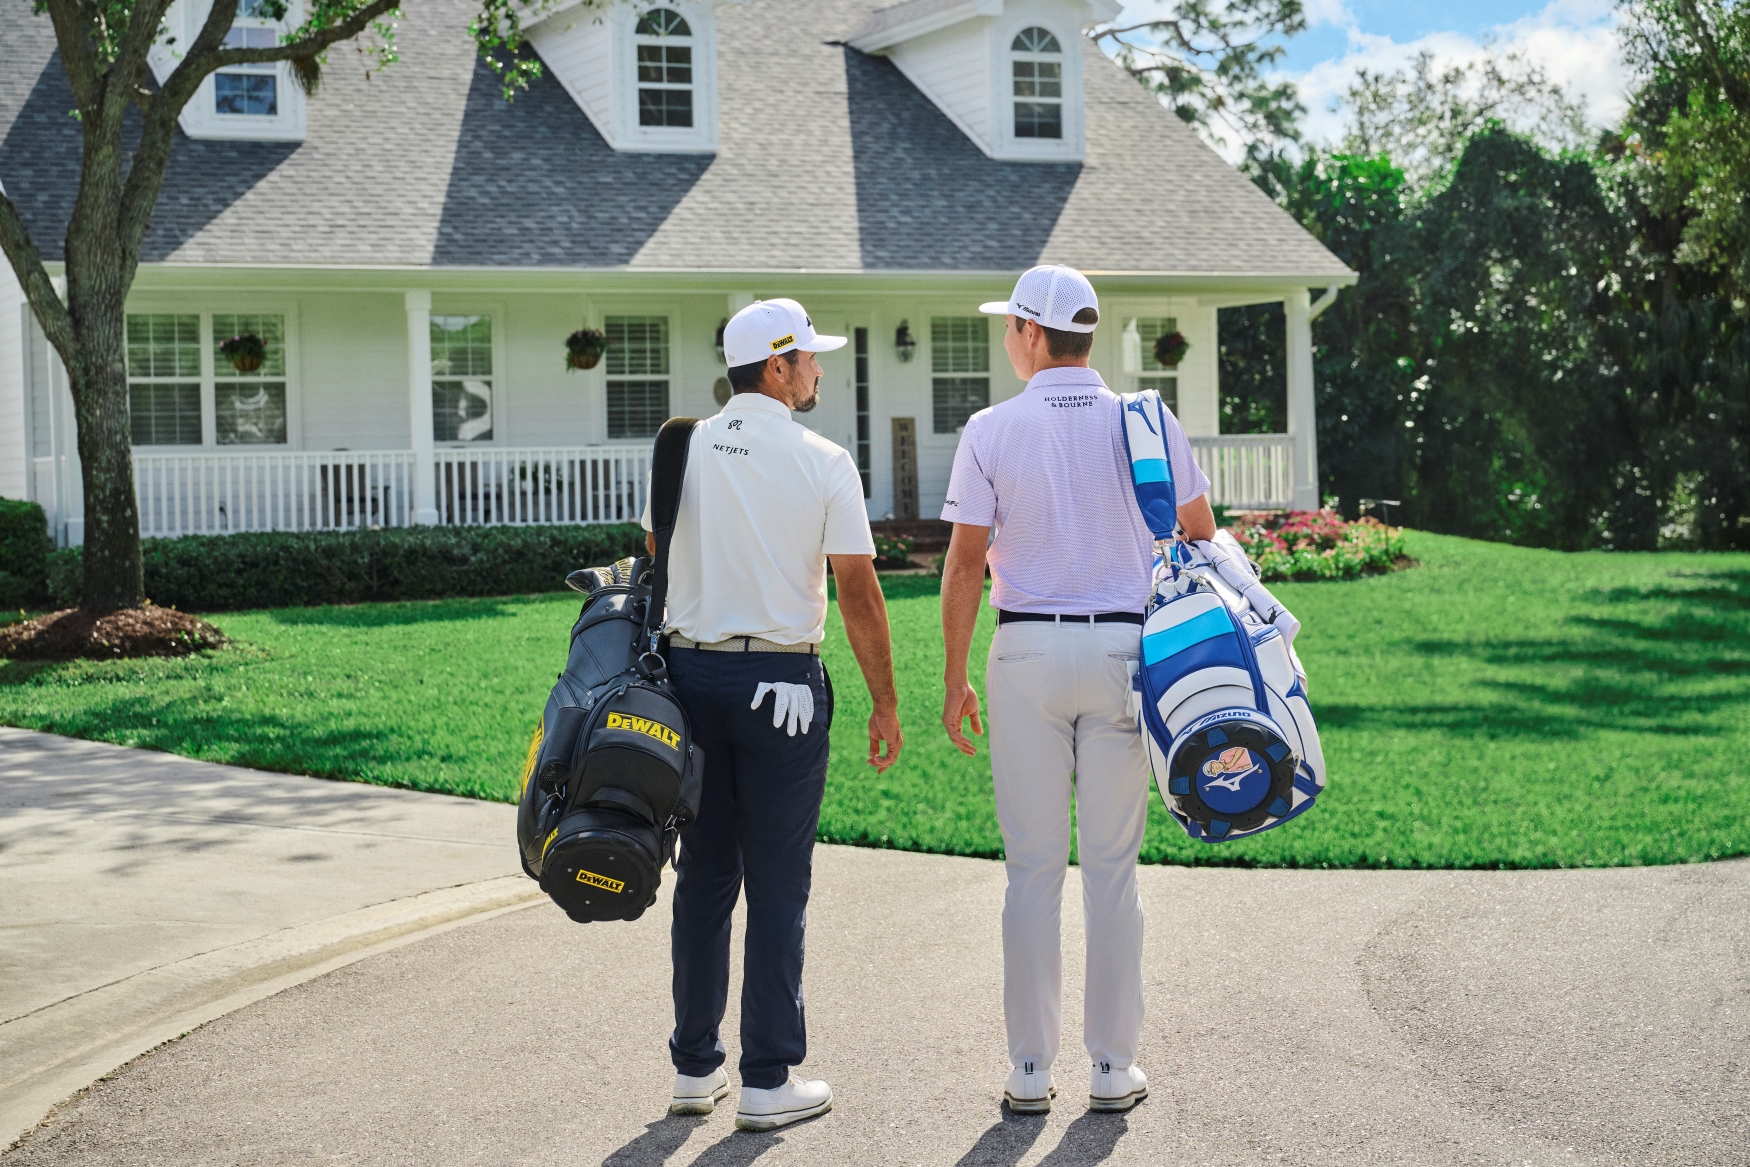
<point>1309,545</point>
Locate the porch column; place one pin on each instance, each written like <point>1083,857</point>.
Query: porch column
<point>419,406</point>
<point>1302,419</point>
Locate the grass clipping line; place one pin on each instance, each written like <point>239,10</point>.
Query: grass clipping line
<point>132,632</point>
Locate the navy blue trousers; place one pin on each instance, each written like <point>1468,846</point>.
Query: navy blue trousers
<point>757,817</point>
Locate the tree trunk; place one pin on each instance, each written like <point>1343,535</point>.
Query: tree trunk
<point>113,574</point>
<point>97,294</point>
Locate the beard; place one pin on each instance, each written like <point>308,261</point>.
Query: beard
<point>812,400</point>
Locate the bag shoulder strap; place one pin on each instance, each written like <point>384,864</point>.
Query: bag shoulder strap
<point>668,470</point>
<point>1151,467</point>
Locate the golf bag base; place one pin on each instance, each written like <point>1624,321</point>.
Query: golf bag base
<point>603,864</point>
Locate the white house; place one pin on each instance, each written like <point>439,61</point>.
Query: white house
<point>414,251</point>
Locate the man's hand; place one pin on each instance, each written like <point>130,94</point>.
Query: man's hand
<point>961,703</point>
<point>884,727</point>
<point>864,611</point>
<point>962,591</point>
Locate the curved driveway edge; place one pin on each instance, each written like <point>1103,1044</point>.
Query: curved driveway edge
<point>1316,1018</point>
<point>144,894</point>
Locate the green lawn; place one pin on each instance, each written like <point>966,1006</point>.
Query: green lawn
<point>1496,706</point>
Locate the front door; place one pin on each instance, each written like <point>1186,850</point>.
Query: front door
<point>843,415</point>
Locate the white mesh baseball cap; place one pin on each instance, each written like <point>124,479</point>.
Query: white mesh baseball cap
<point>766,328</point>
<point>1050,294</point>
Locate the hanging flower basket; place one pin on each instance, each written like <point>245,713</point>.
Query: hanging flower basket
<point>1171,348</point>
<point>904,343</point>
<point>584,348</point>
<point>245,352</point>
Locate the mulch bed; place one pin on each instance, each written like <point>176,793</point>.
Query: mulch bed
<point>131,632</point>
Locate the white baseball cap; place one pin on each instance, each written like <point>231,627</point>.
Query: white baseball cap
<point>1050,294</point>
<point>766,328</point>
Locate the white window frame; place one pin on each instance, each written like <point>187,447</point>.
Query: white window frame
<point>1072,145</point>
<point>231,306</point>
<point>623,309</point>
<point>494,311</point>
<point>200,117</point>
<point>700,137</point>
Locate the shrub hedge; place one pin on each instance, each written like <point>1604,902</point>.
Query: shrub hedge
<point>24,553</point>
<point>285,569</point>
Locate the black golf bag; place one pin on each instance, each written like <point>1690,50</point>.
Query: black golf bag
<point>612,773</point>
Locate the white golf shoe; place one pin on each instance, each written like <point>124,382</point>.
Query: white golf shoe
<point>1115,1089</point>
<point>795,1100</point>
<point>699,1095</point>
<point>1030,1089</point>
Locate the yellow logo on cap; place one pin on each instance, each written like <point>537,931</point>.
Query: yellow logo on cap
<point>600,881</point>
<point>782,341</point>
<point>648,728</point>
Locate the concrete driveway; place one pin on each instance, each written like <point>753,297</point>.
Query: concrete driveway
<point>1295,1017</point>
<point>142,894</point>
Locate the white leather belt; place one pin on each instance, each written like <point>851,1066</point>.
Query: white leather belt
<point>742,644</point>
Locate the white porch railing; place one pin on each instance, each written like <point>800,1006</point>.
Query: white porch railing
<point>596,484</point>
<point>344,490</point>
<point>1248,471</point>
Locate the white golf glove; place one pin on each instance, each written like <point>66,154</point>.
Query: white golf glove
<point>793,701</point>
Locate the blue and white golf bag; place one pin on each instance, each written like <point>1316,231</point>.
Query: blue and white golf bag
<point>1222,693</point>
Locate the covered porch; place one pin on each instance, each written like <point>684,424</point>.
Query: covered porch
<point>360,423</point>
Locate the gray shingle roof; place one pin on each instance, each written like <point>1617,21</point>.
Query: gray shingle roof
<point>830,159</point>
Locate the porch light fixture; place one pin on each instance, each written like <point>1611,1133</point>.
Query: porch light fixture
<point>245,352</point>
<point>718,343</point>
<point>904,343</point>
<point>584,348</point>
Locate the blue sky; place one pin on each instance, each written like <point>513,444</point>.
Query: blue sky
<point>1573,40</point>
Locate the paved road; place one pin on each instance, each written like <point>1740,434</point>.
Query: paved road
<point>142,894</point>
<point>1349,1018</point>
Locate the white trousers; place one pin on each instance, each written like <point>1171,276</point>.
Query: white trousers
<point>1058,722</point>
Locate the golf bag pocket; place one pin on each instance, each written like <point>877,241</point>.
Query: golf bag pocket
<point>1230,737</point>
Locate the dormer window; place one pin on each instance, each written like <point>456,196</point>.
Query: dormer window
<point>664,43</point>
<point>1038,84</point>
<point>255,102</point>
<point>249,90</point>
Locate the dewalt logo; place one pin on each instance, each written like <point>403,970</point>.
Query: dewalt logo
<point>600,881</point>
<point>782,341</point>
<point>645,726</point>
<point>534,755</point>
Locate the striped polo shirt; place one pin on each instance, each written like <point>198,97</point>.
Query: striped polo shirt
<point>1048,471</point>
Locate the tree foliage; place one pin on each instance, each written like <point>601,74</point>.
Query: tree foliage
<point>127,121</point>
<point>1210,61</point>
<point>1422,117</point>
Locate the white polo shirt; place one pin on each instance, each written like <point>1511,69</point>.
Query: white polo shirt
<point>765,501</point>
<point>1049,472</point>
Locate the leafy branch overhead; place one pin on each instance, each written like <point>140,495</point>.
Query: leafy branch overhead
<point>1210,60</point>
<point>1422,117</point>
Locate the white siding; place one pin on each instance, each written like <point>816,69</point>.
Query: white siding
<point>14,471</point>
<point>352,390</point>
<point>952,69</point>
<point>577,46</point>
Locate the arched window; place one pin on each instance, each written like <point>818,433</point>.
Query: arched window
<point>665,69</point>
<point>1038,73</point>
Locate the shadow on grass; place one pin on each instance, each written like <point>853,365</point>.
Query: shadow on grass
<point>261,740</point>
<point>1719,589</point>
<point>396,614</point>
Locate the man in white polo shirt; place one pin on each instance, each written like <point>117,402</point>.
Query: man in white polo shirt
<point>765,504</point>
<point>1070,569</point>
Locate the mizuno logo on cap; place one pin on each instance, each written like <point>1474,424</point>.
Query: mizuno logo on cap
<point>782,341</point>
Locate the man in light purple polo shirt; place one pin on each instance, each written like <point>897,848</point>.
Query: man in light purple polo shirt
<point>1070,567</point>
